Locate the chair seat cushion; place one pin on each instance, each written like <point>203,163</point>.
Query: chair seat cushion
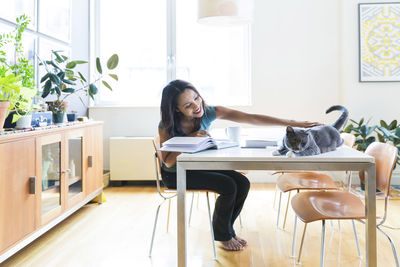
<point>322,205</point>
<point>305,180</point>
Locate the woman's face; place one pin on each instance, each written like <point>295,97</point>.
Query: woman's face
<point>190,104</point>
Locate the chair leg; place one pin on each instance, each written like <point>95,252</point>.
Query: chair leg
<point>169,208</point>
<point>322,244</point>
<point>211,227</point>
<point>276,190</point>
<point>294,238</point>
<point>279,209</point>
<point>356,238</point>
<point>392,244</point>
<point>154,228</point>
<point>301,244</point>
<point>191,209</point>
<point>287,207</point>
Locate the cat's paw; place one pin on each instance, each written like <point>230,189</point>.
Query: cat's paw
<point>276,153</point>
<point>290,154</point>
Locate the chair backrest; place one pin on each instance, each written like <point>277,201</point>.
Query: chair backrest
<point>157,160</point>
<point>385,159</point>
<point>349,139</point>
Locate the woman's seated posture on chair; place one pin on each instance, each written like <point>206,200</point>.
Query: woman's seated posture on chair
<point>184,113</point>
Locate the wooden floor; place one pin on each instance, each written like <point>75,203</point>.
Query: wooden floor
<point>117,233</point>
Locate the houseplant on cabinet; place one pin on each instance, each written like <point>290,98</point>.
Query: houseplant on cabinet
<point>17,86</point>
<point>62,81</point>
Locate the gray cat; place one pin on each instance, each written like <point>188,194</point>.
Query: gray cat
<point>315,140</point>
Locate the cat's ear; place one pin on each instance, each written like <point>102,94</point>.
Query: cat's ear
<point>289,130</point>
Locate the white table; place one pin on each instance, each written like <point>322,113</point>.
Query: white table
<point>342,159</point>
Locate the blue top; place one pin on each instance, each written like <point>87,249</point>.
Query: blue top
<point>208,117</point>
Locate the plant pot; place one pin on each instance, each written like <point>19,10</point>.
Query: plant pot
<point>3,112</point>
<point>24,122</point>
<point>71,116</point>
<point>58,117</point>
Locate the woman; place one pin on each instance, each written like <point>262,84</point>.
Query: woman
<point>184,113</point>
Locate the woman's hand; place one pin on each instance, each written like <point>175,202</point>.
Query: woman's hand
<point>202,133</point>
<point>305,124</point>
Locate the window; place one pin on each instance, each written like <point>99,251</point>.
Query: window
<point>49,31</point>
<point>154,51</point>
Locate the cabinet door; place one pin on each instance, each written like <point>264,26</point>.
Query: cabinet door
<point>75,168</point>
<point>51,172</point>
<point>17,205</point>
<point>94,159</point>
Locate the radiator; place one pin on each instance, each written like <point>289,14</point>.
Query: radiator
<point>131,159</point>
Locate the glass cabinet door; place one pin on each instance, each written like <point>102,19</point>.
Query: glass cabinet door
<point>74,166</point>
<point>51,177</point>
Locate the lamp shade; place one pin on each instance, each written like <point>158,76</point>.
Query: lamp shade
<point>225,12</point>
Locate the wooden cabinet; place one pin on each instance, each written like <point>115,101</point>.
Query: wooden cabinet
<point>44,177</point>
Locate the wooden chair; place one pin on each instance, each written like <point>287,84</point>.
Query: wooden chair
<point>341,205</point>
<point>168,194</point>
<point>289,181</point>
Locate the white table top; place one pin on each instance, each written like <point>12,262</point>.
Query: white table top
<point>342,154</point>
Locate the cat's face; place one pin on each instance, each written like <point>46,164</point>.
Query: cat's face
<point>296,139</point>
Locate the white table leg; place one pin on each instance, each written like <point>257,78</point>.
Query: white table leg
<point>182,227</point>
<point>370,211</point>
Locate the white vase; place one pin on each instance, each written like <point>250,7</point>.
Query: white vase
<point>24,122</point>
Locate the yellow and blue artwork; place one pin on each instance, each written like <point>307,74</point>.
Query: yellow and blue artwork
<point>379,29</point>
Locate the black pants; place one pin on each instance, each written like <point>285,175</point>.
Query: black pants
<point>230,185</point>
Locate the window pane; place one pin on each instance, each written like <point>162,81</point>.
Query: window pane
<point>55,18</point>
<point>136,31</point>
<point>11,9</point>
<point>215,59</point>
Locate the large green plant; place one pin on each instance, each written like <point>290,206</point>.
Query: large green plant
<point>17,78</point>
<point>62,80</point>
<point>365,134</point>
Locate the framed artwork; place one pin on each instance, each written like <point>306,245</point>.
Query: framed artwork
<point>379,42</point>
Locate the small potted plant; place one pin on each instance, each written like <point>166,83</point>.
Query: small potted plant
<point>62,81</point>
<point>17,86</point>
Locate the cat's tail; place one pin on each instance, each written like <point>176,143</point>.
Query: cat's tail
<point>342,119</point>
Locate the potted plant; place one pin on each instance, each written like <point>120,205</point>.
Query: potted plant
<point>17,86</point>
<point>62,81</point>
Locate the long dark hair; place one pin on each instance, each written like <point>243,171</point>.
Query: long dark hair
<point>170,117</point>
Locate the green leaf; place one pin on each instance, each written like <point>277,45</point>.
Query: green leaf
<point>361,121</point>
<point>383,123</point>
<point>46,89</point>
<point>93,89</point>
<point>69,82</point>
<point>80,62</point>
<point>58,91</point>
<point>58,57</point>
<point>82,77</point>
<point>393,125</point>
<point>112,62</point>
<point>61,75</point>
<point>45,77</point>
<point>114,76</point>
<point>68,90</point>
<point>98,66</point>
<point>107,85</point>
<point>71,65</point>
<point>55,79</point>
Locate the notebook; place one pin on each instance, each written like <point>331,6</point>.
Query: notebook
<point>195,144</point>
<point>258,143</point>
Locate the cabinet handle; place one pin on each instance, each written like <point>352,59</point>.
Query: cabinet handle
<point>65,171</point>
<point>90,161</point>
<point>32,185</point>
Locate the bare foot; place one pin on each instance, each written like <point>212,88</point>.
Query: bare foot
<point>232,245</point>
<point>240,240</point>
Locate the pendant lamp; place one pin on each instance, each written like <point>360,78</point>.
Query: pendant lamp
<point>225,12</point>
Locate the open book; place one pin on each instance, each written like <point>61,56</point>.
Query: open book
<point>195,144</point>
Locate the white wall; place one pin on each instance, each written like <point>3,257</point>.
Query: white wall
<point>304,59</point>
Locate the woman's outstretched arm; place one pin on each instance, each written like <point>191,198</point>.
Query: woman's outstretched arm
<point>258,119</point>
